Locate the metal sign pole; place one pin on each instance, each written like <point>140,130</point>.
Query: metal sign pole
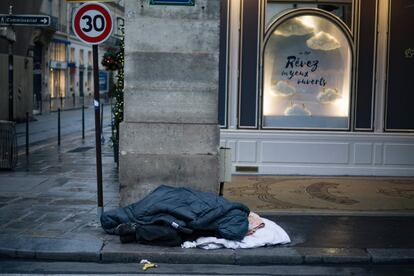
<point>97,129</point>
<point>11,92</point>
<point>86,28</point>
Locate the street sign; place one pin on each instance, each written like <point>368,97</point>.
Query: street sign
<point>24,20</point>
<point>103,82</point>
<point>92,23</point>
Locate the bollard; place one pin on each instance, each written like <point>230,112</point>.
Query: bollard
<point>83,121</point>
<point>73,100</point>
<point>61,102</point>
<point>27,133</point>
<point>58,126</point>
<point>102,136</point>
<point>50,103</point>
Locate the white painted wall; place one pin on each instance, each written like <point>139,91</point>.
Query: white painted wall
<point>78,46</point>
<point>321,153</point>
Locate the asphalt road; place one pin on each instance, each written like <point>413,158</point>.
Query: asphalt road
<point>22,266</point>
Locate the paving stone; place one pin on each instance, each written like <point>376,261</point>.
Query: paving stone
<point>116,252</point>
<point>73,202</point>
<point>51,217</point>
<point>31,216</point>
<point>19,184</point>
<point>334,255</point>
<point>268,255</point>
<point>391,255</point>
<point>59,228</point>
<point>7,199</point>
<point>47,248</point>
<point>9,213</point>
<point>32,201</point>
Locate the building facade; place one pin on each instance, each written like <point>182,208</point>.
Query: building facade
<point>22,53</point>
<point>66,75</point>
<point>57,66</point>
<point>318,87</point>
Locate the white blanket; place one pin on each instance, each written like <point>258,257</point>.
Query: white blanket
<point>270,234</point>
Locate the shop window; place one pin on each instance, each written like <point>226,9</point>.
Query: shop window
<point>307,65</point>
<point>57,83</point>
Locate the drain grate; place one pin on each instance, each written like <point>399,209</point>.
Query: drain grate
<point>80,149</point>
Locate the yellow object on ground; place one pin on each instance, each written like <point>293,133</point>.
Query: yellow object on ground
<point>147,264</point>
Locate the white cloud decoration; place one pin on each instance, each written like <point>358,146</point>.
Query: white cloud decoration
<point>297,110</point>
<point>328,95</point>
<point>282,88</point>
<point>323,41</point>
<point>294,26</point>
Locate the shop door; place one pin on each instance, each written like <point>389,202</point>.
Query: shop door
<point>37,75</point>
<point>400,99</point>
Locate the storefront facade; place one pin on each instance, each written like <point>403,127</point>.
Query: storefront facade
<point>318,87</point>
<point>58,76</point>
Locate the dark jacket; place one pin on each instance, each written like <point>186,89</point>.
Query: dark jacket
<point>182,209</point>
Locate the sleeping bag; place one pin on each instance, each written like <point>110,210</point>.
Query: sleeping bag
<point>170,215</point>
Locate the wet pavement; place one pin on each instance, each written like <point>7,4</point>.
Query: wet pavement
<point>48,212</point>
<point>44,128</point>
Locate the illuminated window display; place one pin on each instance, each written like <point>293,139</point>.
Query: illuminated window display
<point>307,66</point>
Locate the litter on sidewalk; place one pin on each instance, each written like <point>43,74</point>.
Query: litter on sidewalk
<point>147,264</point>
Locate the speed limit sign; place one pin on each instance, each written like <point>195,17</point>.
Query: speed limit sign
<point>92,23</point>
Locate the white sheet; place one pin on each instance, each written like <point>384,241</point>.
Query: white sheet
<point>270,234</point>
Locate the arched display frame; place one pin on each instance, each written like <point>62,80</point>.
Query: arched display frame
<point>307,72</point>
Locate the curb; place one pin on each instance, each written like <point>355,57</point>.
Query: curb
<point>97,251</point>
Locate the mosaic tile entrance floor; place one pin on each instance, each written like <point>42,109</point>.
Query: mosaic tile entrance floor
<point>323,194</point>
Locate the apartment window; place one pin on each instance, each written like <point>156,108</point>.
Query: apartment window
<point>72,55</point>
<point>81,57</point>
<point>58,52</point>
<point>89,84</point>
<point>120,26</point>
<point>89,58</point>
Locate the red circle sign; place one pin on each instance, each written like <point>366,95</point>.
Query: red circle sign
<point>92,23</point>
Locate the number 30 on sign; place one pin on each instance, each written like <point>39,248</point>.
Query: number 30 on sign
<point>92,23</point>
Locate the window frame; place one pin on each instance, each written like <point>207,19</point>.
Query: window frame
<point>278,20</point>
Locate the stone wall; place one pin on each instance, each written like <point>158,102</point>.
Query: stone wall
<point>22,87</point>
<point>170,133</point>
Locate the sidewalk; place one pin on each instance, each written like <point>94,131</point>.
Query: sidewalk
<point>45,126</point>
<point>48,211</point>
